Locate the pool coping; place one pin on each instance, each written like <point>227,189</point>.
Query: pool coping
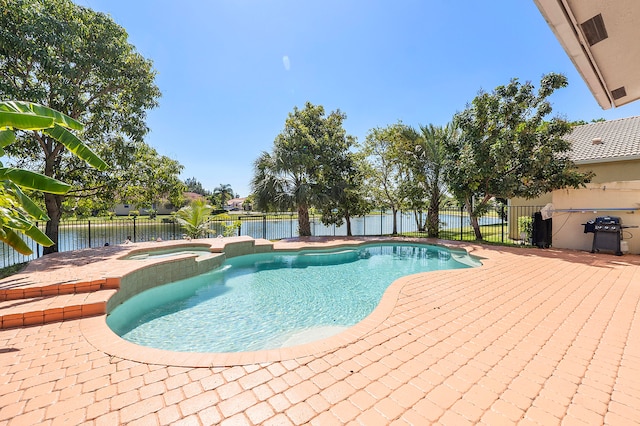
<point>96,331</point>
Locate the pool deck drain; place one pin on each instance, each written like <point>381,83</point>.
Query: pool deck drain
<point>531,337</point>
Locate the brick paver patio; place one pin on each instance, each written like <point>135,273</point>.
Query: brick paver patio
<point>531,337</point>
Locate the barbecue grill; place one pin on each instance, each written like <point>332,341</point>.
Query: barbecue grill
<point>607,234</point>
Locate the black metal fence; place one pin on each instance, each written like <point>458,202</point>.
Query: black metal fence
<point>500,225</point>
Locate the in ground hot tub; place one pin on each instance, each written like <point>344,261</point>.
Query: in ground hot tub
<point>167,252</point>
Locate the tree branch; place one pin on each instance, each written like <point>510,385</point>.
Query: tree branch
<point>85,192</point>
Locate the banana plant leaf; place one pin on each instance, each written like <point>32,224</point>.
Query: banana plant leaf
<point>41,110</point>
<point>76,146</point>
<point>38,236</point>
<point>23,121</point>
<point>33,180</point>
<point>16,209</point>
<point>7,137</point>
<point>15,220</point>
<point>12,239</point>
<point>25,202</point>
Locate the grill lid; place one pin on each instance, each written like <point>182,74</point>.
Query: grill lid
<point>607,220</point>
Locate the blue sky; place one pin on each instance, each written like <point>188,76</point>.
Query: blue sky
<point>230,71</point>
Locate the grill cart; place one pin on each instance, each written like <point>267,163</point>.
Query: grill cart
<point>607,233</point>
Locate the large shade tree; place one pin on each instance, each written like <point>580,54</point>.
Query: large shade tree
<point>194,185</point>
<point>152,178</point>
<point>508,147</point>
<point>291,175</point>
<point>80,63</point>
<point>342,192</point>
<point>385,175</point>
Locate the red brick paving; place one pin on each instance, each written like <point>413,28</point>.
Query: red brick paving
<point>531,337</point>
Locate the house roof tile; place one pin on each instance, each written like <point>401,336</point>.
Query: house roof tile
<point>619,141</point>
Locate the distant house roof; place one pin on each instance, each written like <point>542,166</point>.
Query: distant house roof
<point>192,196</point>
<point>236,201</point>
<point>606,141</point>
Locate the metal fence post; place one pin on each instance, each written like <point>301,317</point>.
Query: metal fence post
<point>134,229</point>
<point>461,210</point>
<point>37,245</point>
<point>89,231</point>
<point>502,221</point>
<point>364,225</point>
<point>264,227</point>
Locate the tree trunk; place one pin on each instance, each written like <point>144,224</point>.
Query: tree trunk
<point>433,222</point>
<point>304,225</point>
<point>53,204</point>
<point>474,220</point>
<point>433,217</point>
<point>417,215</point>
<point>347,218</point>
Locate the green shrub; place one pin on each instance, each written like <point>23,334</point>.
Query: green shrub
<point>230,230</point>
<point>525,225</point>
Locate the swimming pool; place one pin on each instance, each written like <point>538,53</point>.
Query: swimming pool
<point>275,299</point>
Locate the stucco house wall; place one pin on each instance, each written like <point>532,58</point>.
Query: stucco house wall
<point>597,199</point>
<point>611,150</point>
<point>121,209</point>
<point>235,203</point>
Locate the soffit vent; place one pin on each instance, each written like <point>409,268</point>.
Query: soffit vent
<point>618,93</point>
<point>594,30</point>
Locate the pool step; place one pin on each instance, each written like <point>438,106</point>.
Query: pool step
<point>25,289</point>
<point>44,309</point>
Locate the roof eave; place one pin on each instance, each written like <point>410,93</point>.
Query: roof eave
<point>607,160</point>
<point>563,24</point>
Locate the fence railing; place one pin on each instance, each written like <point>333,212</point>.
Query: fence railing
<point>499,225</point>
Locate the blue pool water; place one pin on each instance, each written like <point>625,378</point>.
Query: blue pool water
<point>263,301</point>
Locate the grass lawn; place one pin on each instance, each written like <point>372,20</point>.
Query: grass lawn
<point>490,234</point>
<point>13,269</point>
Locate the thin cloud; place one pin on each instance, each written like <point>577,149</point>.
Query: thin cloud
<point>286,62</point>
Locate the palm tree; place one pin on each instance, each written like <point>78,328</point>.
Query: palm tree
<point>223,193</point>
<point>289,177</point>
<point>435,138</point>
<point>277,185</point>
<point>195,218</point>
<point>425,152</point>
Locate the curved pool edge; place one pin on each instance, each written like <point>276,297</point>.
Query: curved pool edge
<point>96,331</point>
